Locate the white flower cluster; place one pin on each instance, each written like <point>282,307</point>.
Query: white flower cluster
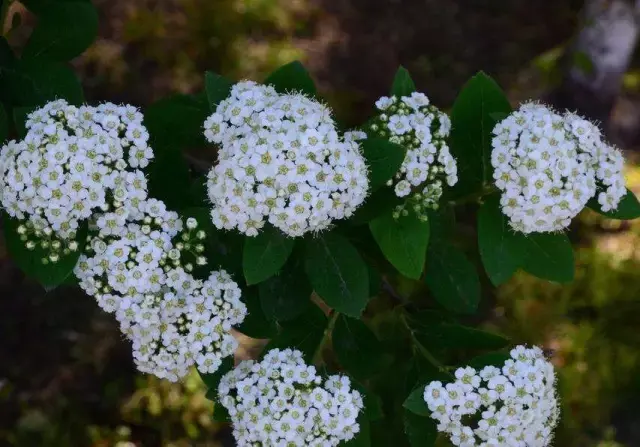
<point>72,162</point>
<point>422,129</point>
<point>515,406</point>
<point>548,166</point>
<point>281,401</point>
<point>280,160</point>
<point>136,271</point>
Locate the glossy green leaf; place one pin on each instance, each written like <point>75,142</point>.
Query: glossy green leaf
<point>402,85</point>
<point>452,278</point>
<point>255,324</point>
<point>548,256</point>
<point>177,121</point>
<point>217,87</point>
<point>383,201</point>
<point>421,431</point>
<point>628,208</point>
<point>264,255</point>
<point>287,295</point>
<point>456,336</point>
<point>356,347</point>
<point>499,248</point>
<point>496,359</point>
<point>292,77</point>
<point>415,402</point>
<point>4,125</point>
<point>471,127</point>
<point>63,31</point>
<point>304,333</point>
<point>20,118</point>
<point>384,158</point>
<point>168,177</point>
<point>403,241</point>
<point>32,83</point>
<point>337,273</point>
<point>30,261</point>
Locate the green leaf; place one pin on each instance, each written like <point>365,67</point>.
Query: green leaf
<point>169,178</point>
<point>548,256</point>
<point>213,380</point>
<point>177,121</point>
<point>499,248</point>
<point>64,30</point>
<point>471,127</point>
<point>402,83</point>
<point>32,83</point>
<point>217,87</point>
<point>304,333</point>
<point>452,279</point>
<point>356,347</point>
<point>30,261</point>
<point>264,255</point>
<point>20,119</point>
<point>337,273</point>
<point>380,202</point>
<point>287,295</point>
<point>292,77</point>
<point>496,359</point>
<point>456,336</point>
<point>628,208</point>
<point>255,324</point>
<point>363,437</point>
<point>403,241</point>
<point>421,431</point>
<point>415,403</point>
<point>4,125</point>
<point>384,159</point>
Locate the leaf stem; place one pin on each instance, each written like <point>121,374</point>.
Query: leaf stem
<point>475,197</point>
<point>424,351</point>
<point>317,357</point>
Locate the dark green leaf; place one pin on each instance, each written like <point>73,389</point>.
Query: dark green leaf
<point>30,261</point>
<point>373,406</point>
<point>452,278</point>
<point>255,324</point>
<point>169,178</point>
<point>20,119</point>
<point>380,202</point>
<point>4,124</point>
<point>337,273</point>
<point>499,248</point>
<point>403,241</point>
<point>36,82</point>
<point>177,121</point>
<point>287,295</point>
<point>356,347</point>
<point>415,403</point>
<point>213,380</point>
<point>292,77</point>
<point>496,359</point>
<point>547,256</point>
<point>455,336</point>
<point>628,208</point>
<point>37,6</point>
<point>64,30</point>
<point>304,333</point>
<point>471,127</point>
<point>363,438</point>
<point>217,87</point>
<point>402,83</point>
<point>421,431</point>
<point>264,255</point>
<point>384,158</point>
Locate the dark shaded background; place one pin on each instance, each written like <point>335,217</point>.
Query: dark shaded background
<point>66,377</point>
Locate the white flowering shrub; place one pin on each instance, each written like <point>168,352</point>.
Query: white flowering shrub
<point>516,402</point>
<point>298,234</point>
<point>283,401</point>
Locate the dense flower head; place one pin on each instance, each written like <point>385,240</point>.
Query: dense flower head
<point>548,166</point>
<point>422,129</point>
<point>280,161</point>
<point>515,405</point>
<point>281,401</point>
<point>135,268</point>
<point>72,162</point>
